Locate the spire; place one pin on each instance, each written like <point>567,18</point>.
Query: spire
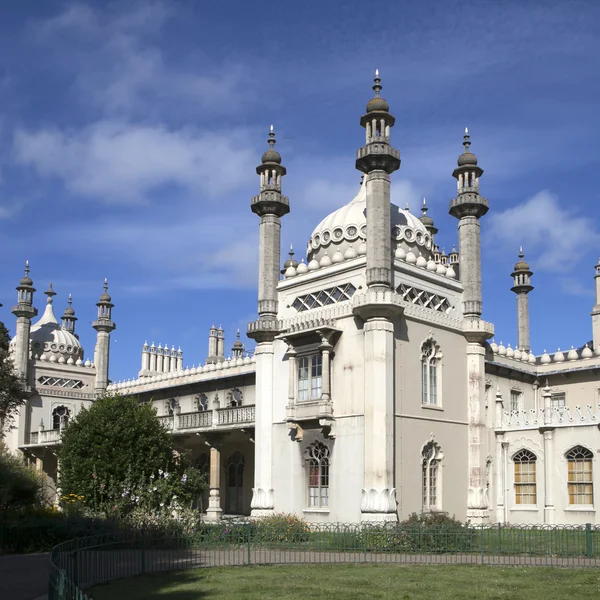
<point>238,347</point>
<point>105,306</point>
<point>426,220</point>
<point>50,293</point>
<point>377,104</point>
<point>290,262</point>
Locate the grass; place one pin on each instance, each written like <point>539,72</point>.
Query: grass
<point>354,582</point>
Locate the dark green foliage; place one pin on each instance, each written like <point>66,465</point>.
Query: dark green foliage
<point>20,486</point>
<point>117,438</point>
<point>12,394</point>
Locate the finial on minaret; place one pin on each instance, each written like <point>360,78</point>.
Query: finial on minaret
<point>106,284</point>
<point>377,86</point>
<point>26,267</point>
<point>424,207</point>
<point>521,255</point>
<point>272,141</point>
<point>467,140</point>
<point>50,293</point>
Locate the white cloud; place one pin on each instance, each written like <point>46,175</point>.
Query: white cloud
<point>543,226</point>
<point>117,161</point>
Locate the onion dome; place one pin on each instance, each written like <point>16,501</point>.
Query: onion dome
<point>290,262</point>
<point>271,155</point>
<point>69,312</point>
<point>347,226</point>
<point>377,104</point>
<point>105,297</point>
<point>521,265</point>
<point>427,221</point>
<point>559,356</point>
<point>467,158</point>
<point>238,343</point>
<point>586,352</point>
<point>26,280</point>
<point>572,354</point>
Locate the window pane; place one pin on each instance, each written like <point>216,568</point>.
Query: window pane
<point>316,378</point>
<point>424,381</point>
<point>303,378</point>
<point>558,400</point>
<point>433,383</point>
<point>515,401</point>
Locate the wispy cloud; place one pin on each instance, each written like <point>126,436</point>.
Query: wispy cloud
<point>553,233</point>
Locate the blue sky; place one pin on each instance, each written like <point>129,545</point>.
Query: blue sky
<point>129,135</point>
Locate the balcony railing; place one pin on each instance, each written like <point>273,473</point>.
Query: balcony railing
<point>167,422</point>
<point>196,420</point>
<point>235,415</point>
<point>46,436</point>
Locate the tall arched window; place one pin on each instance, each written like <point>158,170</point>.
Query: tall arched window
<point>318,458</point>
<point>60,417</point>
<point>430,470</point>
<point>525,481</point>
<point>430,373</point>
<point>580,481</point>
<point>235,483</point>
<point>201,402</point>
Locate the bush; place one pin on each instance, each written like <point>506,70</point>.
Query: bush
<point>428,532</point>
<point>281,528</point>
<point>20,486</point>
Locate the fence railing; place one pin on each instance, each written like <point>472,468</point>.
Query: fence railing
<point>79,564</point>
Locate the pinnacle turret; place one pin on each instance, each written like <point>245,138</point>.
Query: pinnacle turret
<point>69,318</point>
<point>427,220</point>
<point>522,286</point>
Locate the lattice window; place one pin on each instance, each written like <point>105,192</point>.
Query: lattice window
<point>333,295</point>
<point>68,384</point>
<point>422,298</point>
<point>525,484</point>
<point>318,456</point>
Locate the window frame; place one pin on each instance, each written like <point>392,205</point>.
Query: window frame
<point>431,477</point>
<point>310,362</point>
<point>63,420</point>
<point>516,393</point>
<point>318,461</point>
<point>431,372</point>
<point>580,483</point>
<point>529,458</point>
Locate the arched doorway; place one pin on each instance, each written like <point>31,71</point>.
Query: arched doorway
<point>235,484</point>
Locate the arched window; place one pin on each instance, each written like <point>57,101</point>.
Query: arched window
<point>430,373</point>
<point>235,483</point>
<point>580,482</point>
<point>60,417</point>
<point>430,466</point>
<point>525,482</point>
<point>201,402</point>
<point>171,406</point>
<point>318,458</point>
<point>235,397</point>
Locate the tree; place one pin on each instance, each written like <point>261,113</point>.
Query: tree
<point>20,486</point>
<point>12,392</point>
<point>111,444</point>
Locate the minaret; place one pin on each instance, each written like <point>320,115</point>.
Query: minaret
<point>238,347</point>
<point>24,311</point>
<point>270,205</point>
<point>377,159</point>
<point>103,325</point>
<point>220,344</point>
<point>69,318</point>
<point>212,346</point>
<point>290,262</point>
<point>145,360</point>
<point>521,288</point>
<point>380,308</point>
<point>469,207</point>
<point>596,313</point>
<point>428,222</point>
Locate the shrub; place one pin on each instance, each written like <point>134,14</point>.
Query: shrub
<point>281,528</point>
<point>20,486</point>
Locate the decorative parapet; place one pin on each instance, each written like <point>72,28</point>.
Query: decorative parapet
<point>546,364</point>
<point>227,368</point>
<point>232,417</point>
<point>557,417</point>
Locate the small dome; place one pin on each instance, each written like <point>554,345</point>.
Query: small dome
<point>26,280</point>
<point>105,296</point>
<point>545,358</point>
<point>586,352</point>
<point>559,356</point>
<point>451,272</point>
<point>271,156</point>
<point>572,354</point>
<point>302,268</point>
<point>521,265</point>
<point>494,347</point>
<point>467,158</point>
<point>290,262</point>
<point>377,104</point>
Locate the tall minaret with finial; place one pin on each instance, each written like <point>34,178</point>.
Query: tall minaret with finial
<point>69,318</point>
<point>379,307</point>
<point>212,346</point>
<point>377,159</point>
<point>24,311</point>
<point>238,347</point>
<point>522,286</point>
<point>103,325</point>
<point>469,207</point>
<point>428,222</point>
<point>596,312</point>
<point>270,205</point>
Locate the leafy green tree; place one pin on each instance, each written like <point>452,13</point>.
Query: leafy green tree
<point>12,393</point>
<point>20,486</point>
<point>118,439</point>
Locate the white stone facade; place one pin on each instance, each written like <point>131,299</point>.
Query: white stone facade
<point>374,390</point>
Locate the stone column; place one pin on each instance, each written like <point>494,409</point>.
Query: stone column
<point>379,241</point>
<point>214,511</point>
<point>469,247</point>
<point>291,405</point>
<point>500,483</point>
<point>268,265</point>
<point>477,496</point>
<point>379,494</point>
<point>263,494</point>
<point>101,360</point>
<point>548,469</point>
<point>523,321</point>
<point>21,349</point>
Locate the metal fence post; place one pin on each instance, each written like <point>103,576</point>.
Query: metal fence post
<point>588,540</point>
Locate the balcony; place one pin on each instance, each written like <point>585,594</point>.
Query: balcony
<point>234,417</point>
<point>44,437</point>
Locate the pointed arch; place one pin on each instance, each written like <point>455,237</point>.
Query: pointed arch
<point>431,373</point>
<point>431,477</point>
<point>317,456</point>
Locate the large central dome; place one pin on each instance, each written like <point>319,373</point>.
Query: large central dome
<point>347,227</point>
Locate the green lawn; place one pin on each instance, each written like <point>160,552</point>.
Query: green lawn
<point>362,582</point>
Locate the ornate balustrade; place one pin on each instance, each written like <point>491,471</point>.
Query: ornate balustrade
<point>221,418</point>
<point>195,420</point>
<point>167,422</point>
<point>557,417</point>
<point>46,436</point>
<point>235,415</point>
